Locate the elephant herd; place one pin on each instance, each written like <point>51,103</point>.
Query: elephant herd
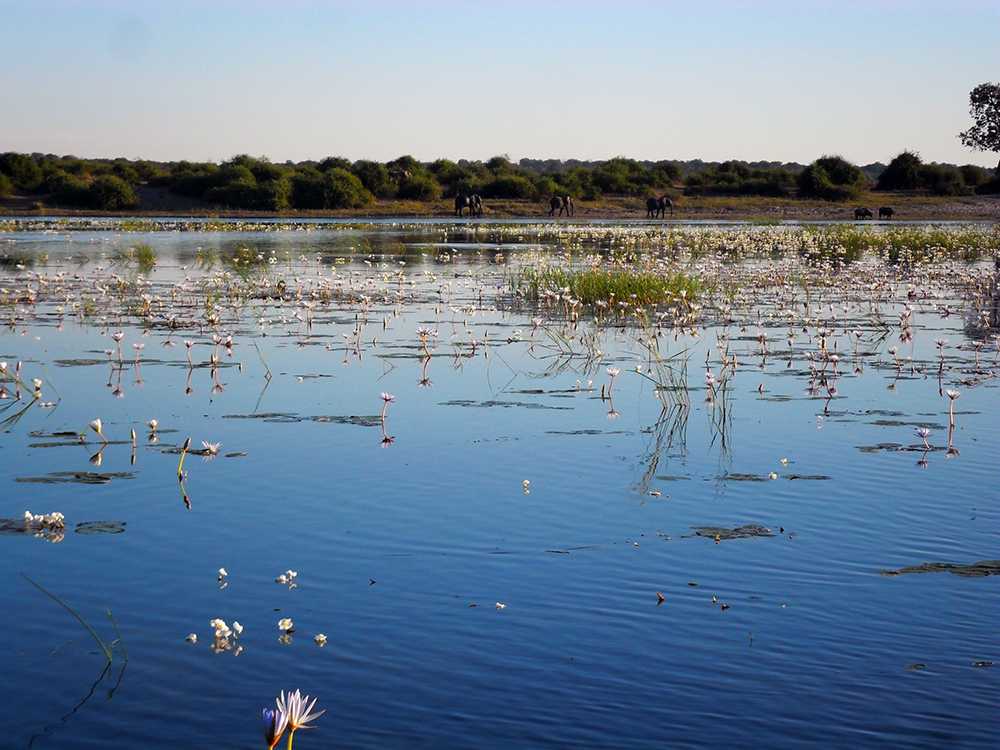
<point>884,212</point>
<point>656,207</point>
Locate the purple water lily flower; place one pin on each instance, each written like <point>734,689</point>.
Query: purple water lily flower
<point>275,723</point>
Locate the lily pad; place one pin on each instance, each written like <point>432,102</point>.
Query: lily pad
<point>77,477</point>
<point>979,569</point>
<point>747,531</point>
<point>100,527</point>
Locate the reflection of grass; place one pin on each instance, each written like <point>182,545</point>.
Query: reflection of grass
<point>105,648</point>
<point>594,285</point>
<point>17,260</point>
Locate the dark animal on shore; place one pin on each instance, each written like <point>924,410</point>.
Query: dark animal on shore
<point>657,207</point>
<point>472,202</point>
<point>563,203</point>
<point>862,213</point>
<point>885,212</point>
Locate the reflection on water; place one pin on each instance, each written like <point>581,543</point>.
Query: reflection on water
<point>563,525</point>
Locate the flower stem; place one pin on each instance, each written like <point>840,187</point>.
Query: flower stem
<point>291,736</point>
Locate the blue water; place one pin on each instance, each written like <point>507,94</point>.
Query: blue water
<point>395,543</point>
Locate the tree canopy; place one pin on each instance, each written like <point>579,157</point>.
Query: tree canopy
<point>984,107</point>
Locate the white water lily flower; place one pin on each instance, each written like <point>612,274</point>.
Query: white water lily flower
<point>298,709</point>
<point>237,628</point>
<point>285,625</point>
<point>223,573</point>
<point>211,448</point>
<point>97,426</point>
<point>192,638</point>
<point>320,639</point>
<point>153,424</point>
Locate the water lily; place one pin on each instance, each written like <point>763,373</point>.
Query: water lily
<point>97,426</point>
<point>275,723</point>
<point>299,711</point>
<point>285,625</point>
<point>923,433</point>
<point>387,398</point>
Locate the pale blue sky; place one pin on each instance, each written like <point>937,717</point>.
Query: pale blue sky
<point>773,79</point>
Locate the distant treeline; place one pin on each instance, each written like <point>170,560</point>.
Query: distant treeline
<point>251,183</point>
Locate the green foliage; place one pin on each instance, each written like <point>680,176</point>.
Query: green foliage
<point>984,107</point>
<point>942,179</point>
<point>509,186</point>
<point>974,176</point>
<point>600,285</point>
<point>112,193</point>
<point>903,173</point>
<point>375,177</point>
<point>256,184</point>
<point>420,187</point>
<point>335,188</point>
<point>6,186</point>
<point>334,162</point>
<point>831,178</point>
<point>738,178</point>
<point>908,172</point>
<point>22,170</point>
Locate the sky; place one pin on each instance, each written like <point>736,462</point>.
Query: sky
<point>782,80</point>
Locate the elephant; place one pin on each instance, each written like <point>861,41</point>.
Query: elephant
<point>563,203</point>
<point>862,213</point>
<point>472,202</point>
<point>885,212</point>
<point>657,207</point>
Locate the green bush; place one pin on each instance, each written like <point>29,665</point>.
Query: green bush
<point>419,187</point>
<point>509,186</point>
<point>22,170</point>
<point>992,187</point>
<point>943,180</point>
<point>736,178</point>
<point>6,186</point>
<point>974,176</point>
<point>831,178</point>
<point>111,193</point>
<point>336,188</point>
<point>375,177</point>
<point>903,173</point>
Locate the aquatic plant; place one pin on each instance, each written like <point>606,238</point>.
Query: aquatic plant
<point>607,286</point>
<point>299,711</point>
<point>275,724</point>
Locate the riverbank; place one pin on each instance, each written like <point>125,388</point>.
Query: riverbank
<point>908,207</point>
